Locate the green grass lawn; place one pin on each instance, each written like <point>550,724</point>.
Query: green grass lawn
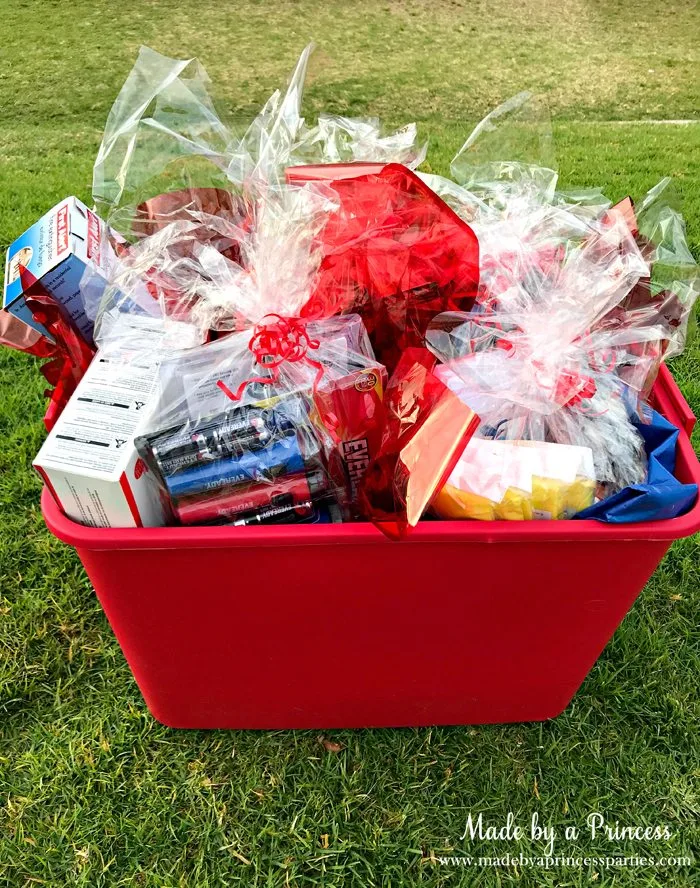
<point>94,792</point>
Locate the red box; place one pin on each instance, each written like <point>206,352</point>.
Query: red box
<point>335,626</point>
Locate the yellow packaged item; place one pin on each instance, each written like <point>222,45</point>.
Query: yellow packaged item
<point>518,481</point>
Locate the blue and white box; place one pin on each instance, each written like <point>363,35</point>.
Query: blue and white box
<point>56,251</point>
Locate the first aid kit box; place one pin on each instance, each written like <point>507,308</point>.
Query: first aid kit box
<point>55,252</point>
<point>89,461</point>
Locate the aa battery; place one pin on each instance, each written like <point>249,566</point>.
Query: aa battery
<point>231,434</point>
<point>313,513</point>
<point>292,490</point>
<point>282,457</point>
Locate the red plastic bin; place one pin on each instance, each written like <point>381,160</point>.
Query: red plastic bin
<point>336,626</point>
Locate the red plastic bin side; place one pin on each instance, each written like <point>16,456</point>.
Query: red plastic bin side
<point>336,626</point>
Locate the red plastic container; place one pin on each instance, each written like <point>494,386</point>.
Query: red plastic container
<point>336,626</point>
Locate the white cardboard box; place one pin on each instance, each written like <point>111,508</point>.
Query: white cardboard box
<point>89,462</point>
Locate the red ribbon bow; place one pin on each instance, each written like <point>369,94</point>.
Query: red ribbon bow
<point>273,343</point>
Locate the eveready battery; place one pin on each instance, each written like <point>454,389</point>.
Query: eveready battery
<point>310,513</point>
<point>355,401</point>
<point>287,490</point>
<point>225,435</point>
<point>283,457</point>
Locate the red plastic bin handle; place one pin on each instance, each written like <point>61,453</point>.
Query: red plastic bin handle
<point>670,401</point>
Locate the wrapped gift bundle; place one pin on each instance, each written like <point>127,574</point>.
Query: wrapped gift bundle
<point>298,325</point>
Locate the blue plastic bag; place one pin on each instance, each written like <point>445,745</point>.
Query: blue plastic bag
<point>662,496</point>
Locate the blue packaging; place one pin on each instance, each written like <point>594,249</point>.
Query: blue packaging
<point>282,457</point>
<point>663,496</point>
<point>56,251</point>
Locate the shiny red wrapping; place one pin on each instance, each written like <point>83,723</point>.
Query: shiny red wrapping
<point>397,255</point>
<point>69,355</point>
<point>14,333</point>
<point>427,428</point>
<point>192,203</point>
<point>189,205</point>
<point>353,408</point>
<point>314,172</point>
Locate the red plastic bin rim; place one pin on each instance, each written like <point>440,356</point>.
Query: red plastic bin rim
<point>97,538</point>
<point>669,401</point>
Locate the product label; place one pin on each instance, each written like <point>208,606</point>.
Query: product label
<point>93,237</point>
<point>365,382</point>
<point>62,229</point>
<point>97,427</point>
<point>356,456</point>
<point>204,396</point>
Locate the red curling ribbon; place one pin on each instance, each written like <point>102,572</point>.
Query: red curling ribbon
<point>586,391</point>
<point>69,354</point>
<point>273,343</point>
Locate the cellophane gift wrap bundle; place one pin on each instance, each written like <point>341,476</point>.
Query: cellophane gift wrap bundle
<point>291,323</point>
